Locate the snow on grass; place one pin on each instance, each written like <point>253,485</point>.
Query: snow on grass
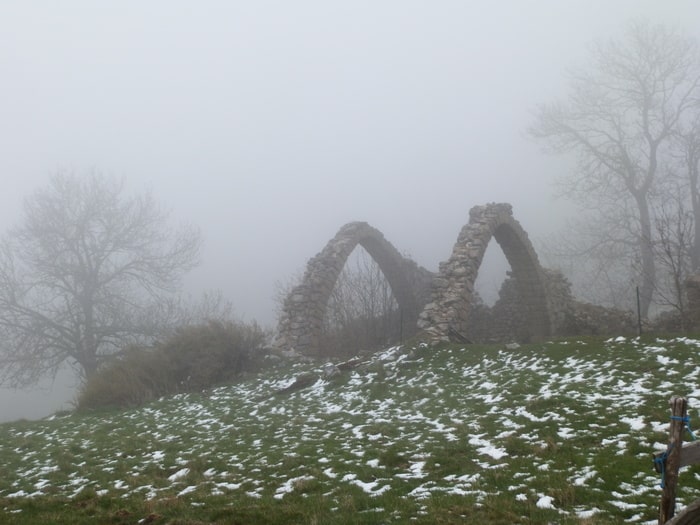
<point>179,474</point>
<point>371,487</point>
<point>290,485</point>
<point>567,428</point>
<point>545,502</point>
<point>187,490</point>
<point>635,423</point>
<point>487,448</point>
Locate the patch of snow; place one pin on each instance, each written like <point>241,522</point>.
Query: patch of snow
<point>588,513</point>
<point>635,423</point>
<point>41,484</point>
<point>178,475</point>
<point>622,505</point>
<point>229,486</point>
<point>289,485</point>
<point>581,480</point>
<point>416,471</point>
<point>566,432</point>
<point>369,487</point>
<point>521,411</point>
<point>486,448</point>
<point>545,502</point>
<point>187,490</point>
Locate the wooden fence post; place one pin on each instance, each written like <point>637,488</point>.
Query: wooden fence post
<point>679,407</point>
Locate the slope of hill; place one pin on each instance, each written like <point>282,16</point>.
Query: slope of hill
<point>559,432</point>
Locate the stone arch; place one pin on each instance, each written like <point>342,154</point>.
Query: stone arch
<point>303,309</point>
<point>446,316</point>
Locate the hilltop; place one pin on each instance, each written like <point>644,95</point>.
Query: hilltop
<point>559,432</point>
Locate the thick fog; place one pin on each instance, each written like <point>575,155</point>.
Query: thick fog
<point>271,124</point>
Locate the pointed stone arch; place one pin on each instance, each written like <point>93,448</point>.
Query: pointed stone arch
<point>304,308</point>
<point>446,317</point>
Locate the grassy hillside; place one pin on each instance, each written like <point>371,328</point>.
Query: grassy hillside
<point>551,433</point>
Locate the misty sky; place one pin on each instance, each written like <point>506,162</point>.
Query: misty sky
<point>271,124</point>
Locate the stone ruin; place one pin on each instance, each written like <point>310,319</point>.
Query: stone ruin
<point>301,321</point>
<point>506,320</point>
<point>534,303</point>
<point>446,316</point>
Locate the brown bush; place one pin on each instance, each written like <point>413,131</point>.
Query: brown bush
<point>194,358</point>
<point>133,379</point>
<point>204,355</point>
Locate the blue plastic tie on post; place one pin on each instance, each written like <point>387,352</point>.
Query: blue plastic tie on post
<point>686,420</point>
<point>661,460</point>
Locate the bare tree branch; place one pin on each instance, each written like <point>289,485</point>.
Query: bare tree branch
<point>89,271</point>
<point>621,119</point>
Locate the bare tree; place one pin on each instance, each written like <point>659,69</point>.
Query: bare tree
<point>598,255</point>
<point>89,270</point>
<point>620,118</point>
<point>688,171</point>
<point>673,247</point>
<point>362,312</point>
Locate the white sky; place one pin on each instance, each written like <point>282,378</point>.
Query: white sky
<point>271,124</point>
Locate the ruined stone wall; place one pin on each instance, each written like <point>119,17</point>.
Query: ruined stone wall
<point>303,310</point>
<point>447,316</point>
<point>507,320</point>
<point>534,302</point>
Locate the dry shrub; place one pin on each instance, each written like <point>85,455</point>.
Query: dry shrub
<point>204,355</point>
<point>194,358</point>
<point>137,377</point>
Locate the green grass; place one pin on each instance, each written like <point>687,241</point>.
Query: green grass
<point>427,435</point>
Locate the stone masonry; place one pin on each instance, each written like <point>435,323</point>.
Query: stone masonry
<point>303,310</point>
<point>439,304</point>
<point>507,319</point>
<point>446,317</point>
<point>534,302</point>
